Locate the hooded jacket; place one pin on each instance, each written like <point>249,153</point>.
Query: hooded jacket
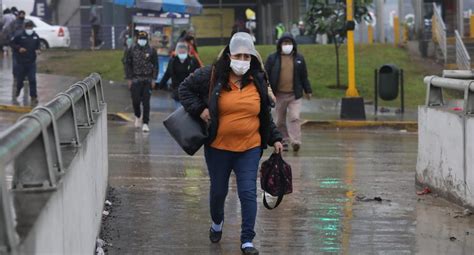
<point>300,78</point>
<point>195,96</point>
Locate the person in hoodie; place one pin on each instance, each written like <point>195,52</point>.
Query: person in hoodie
<point>141,68</point>
<point>179,67</point>
<point>288,76</point>
<point>232,97</point>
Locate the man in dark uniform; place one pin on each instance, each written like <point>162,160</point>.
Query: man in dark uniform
<point>26,46</point>
<point>141,68</point>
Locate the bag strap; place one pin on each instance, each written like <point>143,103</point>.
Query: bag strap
<point>282,184</point>
<point>212,83</point>
<point>280,198</point>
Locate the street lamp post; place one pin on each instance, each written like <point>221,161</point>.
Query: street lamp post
<point>352,105</point>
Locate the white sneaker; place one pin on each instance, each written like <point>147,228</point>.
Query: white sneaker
<point>137,122</point>
<point>145,128</point>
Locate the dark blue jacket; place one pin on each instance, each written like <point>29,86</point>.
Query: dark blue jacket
<point>30,42</point>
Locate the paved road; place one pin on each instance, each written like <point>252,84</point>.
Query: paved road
<point>160,199</point>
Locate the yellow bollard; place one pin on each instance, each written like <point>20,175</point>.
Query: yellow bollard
<point>471,26</point>
<point>351,88</point>
<point>370,34</point>
<point>396,31</point>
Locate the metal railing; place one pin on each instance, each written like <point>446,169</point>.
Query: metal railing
<point>35,145</point>
<point>439,32</point>
<point>435,86</point>
<point>463,60</point>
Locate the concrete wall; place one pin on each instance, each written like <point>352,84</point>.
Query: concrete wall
<point>445,153</point>
<point>70,221</point>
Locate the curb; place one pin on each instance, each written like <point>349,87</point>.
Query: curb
<point>411,126</point>
<point>15,108</point>
<point>118,116</point>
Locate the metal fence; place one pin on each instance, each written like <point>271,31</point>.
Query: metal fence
<point>110,35</point>
<point>439,31</point>
<point>463,60</point>
<point>459,80</point>
<point>34,146</point>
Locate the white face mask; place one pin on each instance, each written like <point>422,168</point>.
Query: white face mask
<point>240,67</point>
<point>287,49</point>
<point>142,42</point>
<point>182,56</point>
<point>29,31</point>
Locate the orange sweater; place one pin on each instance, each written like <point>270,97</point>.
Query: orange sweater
<point>239,123</point>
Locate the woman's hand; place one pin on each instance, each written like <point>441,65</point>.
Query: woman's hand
<point>205,115</point>
<point>278,147</point>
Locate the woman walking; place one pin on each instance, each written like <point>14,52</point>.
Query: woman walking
<point>232,97</point>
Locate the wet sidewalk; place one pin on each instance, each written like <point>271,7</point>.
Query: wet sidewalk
<point>160,199</point>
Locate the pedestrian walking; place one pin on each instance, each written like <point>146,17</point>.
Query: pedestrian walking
<point>94,19</point>
<point>179,67</point>
<point>279,31</point>
<point>7,18</point>
<point>286,69</point>
<point>25,47</point>
<point>232,97</point>
<point>141,68</point>
<point>15,28</point>
<point>193,51</point>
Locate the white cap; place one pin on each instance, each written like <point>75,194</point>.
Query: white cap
<point>242,43</point>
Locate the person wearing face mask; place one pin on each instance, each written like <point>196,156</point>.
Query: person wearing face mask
<point>231,96</point>
<point>15,28</point>
<point>25,48</point>
<point>288,76</point>
<point>179,67</point>
<point>141,69</point>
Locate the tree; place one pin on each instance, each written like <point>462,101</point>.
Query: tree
<point>330,19</point>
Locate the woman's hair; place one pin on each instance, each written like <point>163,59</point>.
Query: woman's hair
<point>221,69</point>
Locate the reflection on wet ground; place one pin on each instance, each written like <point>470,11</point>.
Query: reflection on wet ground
<point>162,199</point>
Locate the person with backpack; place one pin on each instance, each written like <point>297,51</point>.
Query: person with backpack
<point>231,96</point>
<point>141,69</point>
<point>286,69</point>
<point>179,67</point>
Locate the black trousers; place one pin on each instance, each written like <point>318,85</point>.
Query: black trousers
<point>141,93</point>
<point>96,31</point>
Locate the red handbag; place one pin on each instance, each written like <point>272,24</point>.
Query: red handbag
<point>275,179</point>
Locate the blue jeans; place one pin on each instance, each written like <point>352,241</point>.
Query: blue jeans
<point>26,70</point>
<point>220,164</point>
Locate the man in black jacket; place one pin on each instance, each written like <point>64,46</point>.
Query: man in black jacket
<point>179,67</point>
<point>289,79</point>
<point>141,68</point>
<point>25,47</point>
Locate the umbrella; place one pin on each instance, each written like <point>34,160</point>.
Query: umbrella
<point>180,6</point>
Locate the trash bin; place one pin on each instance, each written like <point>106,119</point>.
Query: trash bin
<point>388,82</point>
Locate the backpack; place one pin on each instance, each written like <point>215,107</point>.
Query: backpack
<point>275,179</point>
